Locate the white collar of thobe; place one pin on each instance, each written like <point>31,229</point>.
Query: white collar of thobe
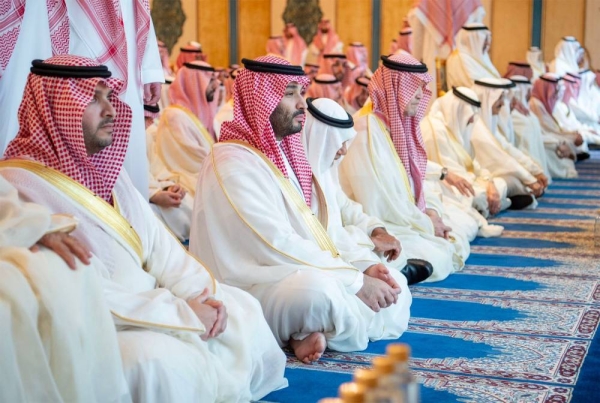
<point>291,174</point>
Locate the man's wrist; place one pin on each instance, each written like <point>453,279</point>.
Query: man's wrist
<point>444,173</point>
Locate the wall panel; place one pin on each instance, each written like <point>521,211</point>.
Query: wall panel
<point>213,30</point>
<point>592,31</point>
<point>392,13</point>
<point>254,27</point>
<point>354,22</point>
<point>511,31</point>
<point>561,18</point>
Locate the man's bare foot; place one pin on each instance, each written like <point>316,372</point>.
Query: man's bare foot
<point>309,349</point>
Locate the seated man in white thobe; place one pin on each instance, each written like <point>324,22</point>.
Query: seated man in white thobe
<point>325,41</point>
<point>185,131</point>
<point>259,222</point>
<point>447,131</point>
<point>225,112</point>
<point>528,136</point>
<point>168,199</point>
<point>524,178</point>
<point>356,95</point>
<point>361,239</point>
<point>385,167</point>
<point>560,146</point>
<point>568,54</point>
<point>471,59</point>
<point>586,106</point>
<point>182,335</point>
<point>57,339</point>
<point>326,86</point>
<point>567,119</point>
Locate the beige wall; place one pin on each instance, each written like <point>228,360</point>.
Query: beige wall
<point>213,30</point>
<point>511,31</point>
<point>254,27</point>
<point>392,14</point>
<point>561,18</point>
<point>510,21</point>
<point>353,29</point>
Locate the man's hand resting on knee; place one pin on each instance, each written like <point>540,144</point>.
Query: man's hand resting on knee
<point>377,294</point>
<point>212,314</point>
<point>386,243</point>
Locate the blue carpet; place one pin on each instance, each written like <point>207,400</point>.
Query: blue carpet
<point>518,324</point>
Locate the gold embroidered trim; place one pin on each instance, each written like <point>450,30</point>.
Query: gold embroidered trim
<point>158,325</point>
<point>315,227</point>
<point>199,125</point>
<point>86,198</point>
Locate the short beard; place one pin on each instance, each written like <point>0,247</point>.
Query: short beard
<point>93,144</point>
<point>283,123</point>
<point>210,95</point>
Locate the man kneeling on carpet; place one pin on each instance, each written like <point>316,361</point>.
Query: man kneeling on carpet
<point>260,221</point>
<point>177,340</point>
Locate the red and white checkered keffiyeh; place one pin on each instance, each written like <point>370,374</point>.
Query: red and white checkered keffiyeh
<point>448,16</point>
<point>255,97</point>
<point>104,15</point>
<point>546,92</point>
<point>189,90</point>
<point>391,91</point>
<point>51,131</point>
<point>11,16</point>
<point>107,20</point>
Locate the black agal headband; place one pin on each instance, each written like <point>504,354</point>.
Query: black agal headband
<point>274,68</point>
<point>198,67</point>
<point>491,85</point>
<point>465,98</point>
<point>40,68</point>
<point>328,120</point>
<point>152,108</point>
<point>409,68</point>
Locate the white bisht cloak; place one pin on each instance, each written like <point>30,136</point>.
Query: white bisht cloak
<point>373,175</point>
<point>530,139</point>
<point>224,114</point>
<point>348,226</point>
<point>501,127</point>
<point>147,278</point>
<point>447,137</point>
<point>553,137</point>
<point>177,219</point>
<point>34,43</point>
<point>568,122</point>
<point>492,157</point>
<point>182,144</point>
<point>255,230</point>
<point>57,339</point>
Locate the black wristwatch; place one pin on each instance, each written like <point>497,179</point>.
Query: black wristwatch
<point>444,173</point>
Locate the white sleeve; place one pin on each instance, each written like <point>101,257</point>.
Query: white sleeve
<point>152,71</point>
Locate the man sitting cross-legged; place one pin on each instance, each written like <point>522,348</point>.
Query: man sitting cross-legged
<point>259,221</point>
<point>178,342</point>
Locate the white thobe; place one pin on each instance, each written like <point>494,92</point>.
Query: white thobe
<point>254,229</point>
<point>177,219</point>
<point>34,43</point>
<point>568,122</point>
<point>182,144</point>
<point>492,156</point>
<point>529,139</point>
<point>57,339</point>
<point>373,175</point>
<point>444,149</point>
<point>146,284</point>
<point>224,114</point>
<point>553,137</point>
<point>427,43</point>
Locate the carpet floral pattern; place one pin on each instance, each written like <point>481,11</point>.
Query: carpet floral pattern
<point>518,324</point>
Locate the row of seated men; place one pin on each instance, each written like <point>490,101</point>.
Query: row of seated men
<point>306,224</point>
